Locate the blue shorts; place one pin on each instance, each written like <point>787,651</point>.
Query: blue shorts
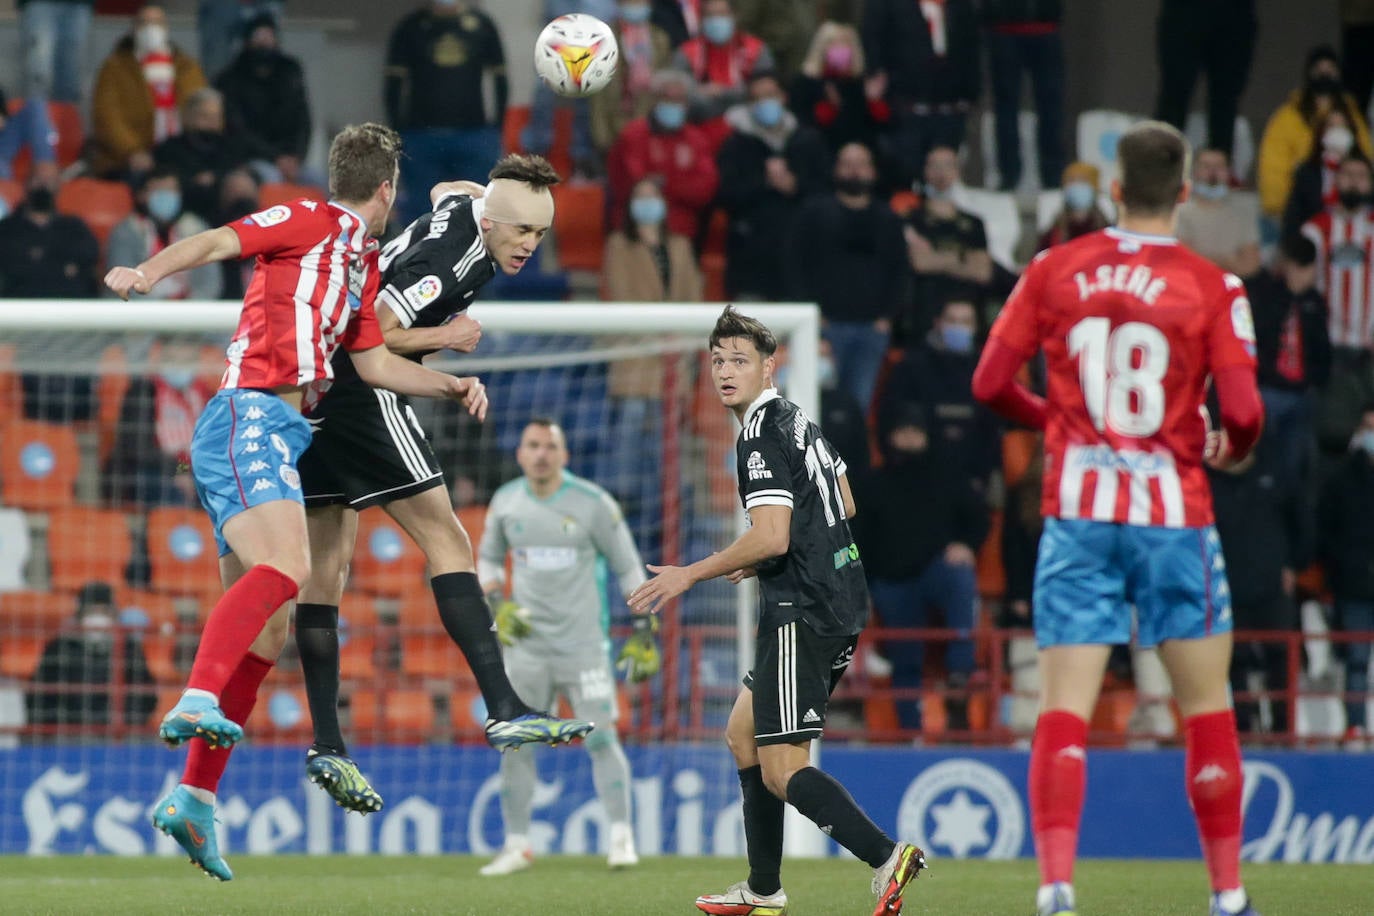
<point>244,453</point>
<point>1089,574</point>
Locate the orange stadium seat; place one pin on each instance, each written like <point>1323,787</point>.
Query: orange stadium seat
<point>467,714</point>
<point>474,522</point>
<point>110,389</point>
<point>409,711</point>
<point>88,545</point>
<point>71,136</point>
<point>160,636</point>
<point>282,711</point>
<point>33,611</point>
<point>182,552</point>
<point>19,655</point>
<point>11,192</point>
<point>11,387</point>
<point>385,560</point>
<point>100,204</point>
<point>284,192</point>
<point>579,225</point>
<point>517,116</point>
<point>38,464</point>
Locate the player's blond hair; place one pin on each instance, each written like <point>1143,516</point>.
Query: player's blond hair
<point>361,157</point>
<point>1154,159</point>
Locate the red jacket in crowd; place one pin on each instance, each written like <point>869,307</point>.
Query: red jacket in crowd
<point>681,158</point>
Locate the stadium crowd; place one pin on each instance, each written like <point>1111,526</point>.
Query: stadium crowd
<point>767,150</point>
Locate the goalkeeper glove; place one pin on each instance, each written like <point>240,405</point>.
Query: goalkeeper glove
<point>640,658</point>
<point>512,621</point>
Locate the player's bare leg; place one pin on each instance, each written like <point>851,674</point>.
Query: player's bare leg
<point>333,531</point>
<point>1215,781</point>
<point>1071,677</point>
<point>428,519</point>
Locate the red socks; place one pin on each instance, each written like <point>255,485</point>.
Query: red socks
<point>1058,775</point>
<point>1214,787</point>
<point>235,621</point>
<point>204,764</point>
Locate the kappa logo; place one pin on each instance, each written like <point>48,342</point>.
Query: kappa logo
<point>262,483</point>
<point>257,467</point>
<point>252,448</point>
<point>254,413</point>
<point>810,716</point>
<point>758,468</point>
<point>251,432</point>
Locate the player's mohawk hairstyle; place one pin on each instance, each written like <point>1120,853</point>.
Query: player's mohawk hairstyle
<point>532,170</point>
<point>361,157</point>
<point>732,324</point>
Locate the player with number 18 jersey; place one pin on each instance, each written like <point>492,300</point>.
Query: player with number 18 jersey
<point>1132,327</point>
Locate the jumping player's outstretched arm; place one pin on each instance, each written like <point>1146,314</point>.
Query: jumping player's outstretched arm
<point>203,248</point>
<point>769,536</point>
<point>381,368</point>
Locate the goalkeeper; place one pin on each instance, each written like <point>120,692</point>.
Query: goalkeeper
<point>559,529</point>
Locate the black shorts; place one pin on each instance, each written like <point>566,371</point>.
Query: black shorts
<point>367,449</point>
<point>795,671</point>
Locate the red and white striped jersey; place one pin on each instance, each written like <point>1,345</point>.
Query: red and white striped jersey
<point>1345,273</point>
<point>1132,326</point>
<point>313,288</point>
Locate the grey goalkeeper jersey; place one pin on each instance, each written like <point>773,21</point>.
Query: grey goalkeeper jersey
<point>559,549</point>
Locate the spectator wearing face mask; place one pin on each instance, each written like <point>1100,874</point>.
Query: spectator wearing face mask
<point>721,59</point>
<point>1217,224</point>
<point>1345,545</point>
<point>45,254</point>
<point>80,663</point>
<point>833,95</point>
<point>1080,213</point>
<point>768,165</point>
<point>946,247</point>
<point>844,253</point>
<point>265,101</point>
<point>139,93</point>
<point>156,422</point>
<point>1344,236</point>
<point>644,50</point>
<point>1288,136</point>
<point>919,532</point>
<point>158,220</point>
<point>936,372</point>
<point>203,153</point>
<point>645,262</point>
<point>1314,182</point>
<point>239,192</point>
<point>664,146</point>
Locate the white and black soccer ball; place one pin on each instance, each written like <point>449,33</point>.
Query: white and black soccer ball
<point>576,55</point>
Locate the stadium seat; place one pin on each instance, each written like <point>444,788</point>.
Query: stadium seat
<point>385,560</point>
<point>65,118</point>
<point>160,617</point>
<point>284,192</point>
<point>474,522</point>
<point>182,552</point>
<point>406,715</point>
<point>14,549</point>
<point>88,545</point>
<point>100,204</point>
<point>517,116</point>
<point>467,714</point>
<point>33,612</point>
<point>11,192</point>
<point>1098,132</point>
<point>284,712</point>
<point>992,580</point>
<point>39,463</point>
<point>11,387</point>
<point>579,224</point>
<point>110,389</point>
<point>433,657</point>
<point>19,656</point>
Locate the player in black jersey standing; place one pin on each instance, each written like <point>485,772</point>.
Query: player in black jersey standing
<point>368,449</point>
<point>814,602</point>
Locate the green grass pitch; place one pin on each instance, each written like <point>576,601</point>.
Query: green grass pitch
<point>573,886</point>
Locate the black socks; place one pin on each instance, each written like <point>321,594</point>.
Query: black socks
<point>763,812</point>
<point>317,642</point>
<point>465,614</point>
<point>823,800</point>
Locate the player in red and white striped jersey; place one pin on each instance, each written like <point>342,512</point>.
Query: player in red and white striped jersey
<point>312,291</point>
<point>1131,325</point>
<point>1344,236</point>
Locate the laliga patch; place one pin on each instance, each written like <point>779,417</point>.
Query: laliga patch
<point>290,477</point>
<point>1241,323</point>
<point>423,292</point>
<point>357,282</point>
<point>271,216</point>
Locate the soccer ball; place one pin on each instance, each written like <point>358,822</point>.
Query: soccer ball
<point>576,55</point>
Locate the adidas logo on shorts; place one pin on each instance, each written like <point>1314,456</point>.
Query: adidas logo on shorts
<point>811,716</point>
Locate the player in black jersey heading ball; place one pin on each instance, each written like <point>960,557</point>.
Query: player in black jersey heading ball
<point>368,449</point>
<point>813,604</point>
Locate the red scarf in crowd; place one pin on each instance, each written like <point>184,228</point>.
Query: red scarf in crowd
<point>161,75</point>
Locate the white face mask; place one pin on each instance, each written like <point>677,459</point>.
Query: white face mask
<point>1337,140</point>
<point>150,37</point>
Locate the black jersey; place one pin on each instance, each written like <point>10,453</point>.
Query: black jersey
<point>783,460</point>
<point>430,272</point>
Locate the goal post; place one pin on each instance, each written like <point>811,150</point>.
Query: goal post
<point>570,361</point>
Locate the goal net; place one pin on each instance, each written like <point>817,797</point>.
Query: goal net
<point>96,404</point>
